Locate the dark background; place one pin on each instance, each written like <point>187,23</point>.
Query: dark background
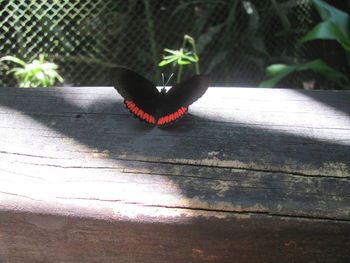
<point>236,39</point>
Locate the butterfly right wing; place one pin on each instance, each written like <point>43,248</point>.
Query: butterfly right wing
<point>140,95</point>
<point>181,96</point>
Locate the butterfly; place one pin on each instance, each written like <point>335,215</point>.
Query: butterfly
<point>152,106</point>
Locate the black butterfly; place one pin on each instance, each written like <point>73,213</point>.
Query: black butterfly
<point>144,100</point>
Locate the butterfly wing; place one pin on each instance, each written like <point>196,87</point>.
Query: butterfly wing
<point>179,97</point>
<point>140,95</point>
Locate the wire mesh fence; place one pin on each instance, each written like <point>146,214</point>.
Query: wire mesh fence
<point>236,39</point>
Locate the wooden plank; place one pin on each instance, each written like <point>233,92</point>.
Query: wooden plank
<point>200,238</point>
<point>244,162</point>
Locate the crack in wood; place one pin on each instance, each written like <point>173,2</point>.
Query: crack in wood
<point>33,155</point>
<point>19,195</point>
<point>21,174</point>
<point>218,165</point>
<point>240,212</point>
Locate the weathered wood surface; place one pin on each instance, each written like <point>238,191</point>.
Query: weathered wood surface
<point>255,175</point>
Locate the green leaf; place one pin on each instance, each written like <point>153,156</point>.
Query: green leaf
<point>163,63</point>
<point>169,57</point>
<point>167,61</point>
<point>321,67</point>
<point>59,77</point>
<point>183,62</point>
<point>330,13</point>
<point>26,83</point>
<point>16,71</point>
<point>13,59</point>
<point>39,75</point>
<point>190,58</point>
<point>48,66</point>
<point>278,71</point>
<point>327,30</point>
<point>174,52</point>
<point>35,62</point>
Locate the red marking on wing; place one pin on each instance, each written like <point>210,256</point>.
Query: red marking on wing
<point>139,112</point>
<point>173,116</point>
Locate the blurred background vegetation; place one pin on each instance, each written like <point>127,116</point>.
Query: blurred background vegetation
<point>236,39</point>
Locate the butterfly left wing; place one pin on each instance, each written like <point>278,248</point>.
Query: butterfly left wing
<point>179,97</point>
<point>140,95</point>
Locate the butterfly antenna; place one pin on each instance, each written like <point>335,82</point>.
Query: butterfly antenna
<point>172,74</point>
<point>163,80</point>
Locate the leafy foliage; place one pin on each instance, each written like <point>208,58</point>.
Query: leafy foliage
<point>38,73</point>
<point>335,26</point>
<point>235,39</point>
<point>235,46</point>
<point>277,72</point>
<point>181,57</point>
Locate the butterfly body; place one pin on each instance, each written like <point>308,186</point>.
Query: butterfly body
<point>152,106</point>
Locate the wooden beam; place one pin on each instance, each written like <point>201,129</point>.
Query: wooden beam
<point>254,174</point>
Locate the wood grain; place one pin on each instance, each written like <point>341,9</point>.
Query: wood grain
<point>252,174</point>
